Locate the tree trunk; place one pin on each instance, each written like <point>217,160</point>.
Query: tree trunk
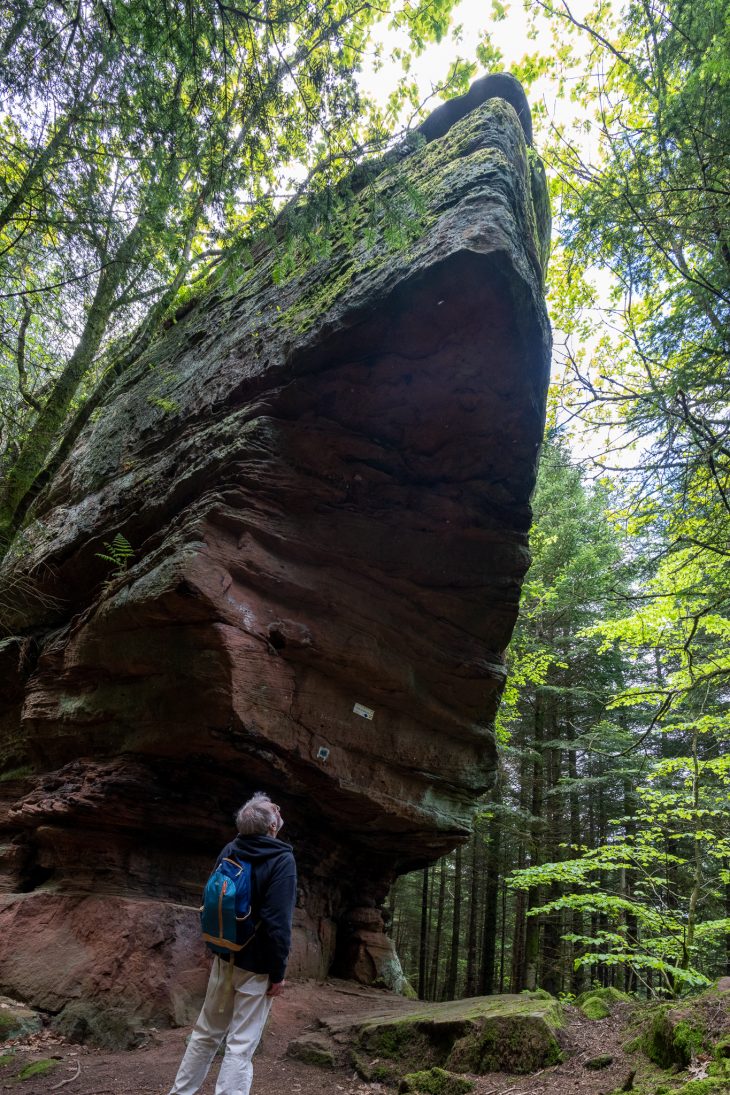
<point>503,949</point>
<point>491,898</point>
<point>435,957</point>
<point>517,973</point>
<point>423,942</point>
<point>45,432</point>
<point>551,977</point>
<point>449,991</point>
<point>532,926</point>
<point>578,981</point>
<point>472,947</point>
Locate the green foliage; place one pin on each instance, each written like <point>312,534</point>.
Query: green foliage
<point>649,208</point>
<point>118,552</point>
<point>576,563</point>
<point>640,289</point>
<point>139,139</point>
<point>16,773</point>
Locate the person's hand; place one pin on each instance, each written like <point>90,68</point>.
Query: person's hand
<point>276,988</point>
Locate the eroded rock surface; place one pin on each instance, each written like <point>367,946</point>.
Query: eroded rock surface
<point>323,469</point>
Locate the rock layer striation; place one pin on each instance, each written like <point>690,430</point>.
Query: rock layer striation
<point>323,470</point>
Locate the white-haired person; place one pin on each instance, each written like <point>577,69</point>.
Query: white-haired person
<point>238,998</point>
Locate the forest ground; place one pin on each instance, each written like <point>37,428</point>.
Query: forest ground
<point>149,1070</point>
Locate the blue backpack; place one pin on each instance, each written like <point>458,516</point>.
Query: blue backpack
<point>225,915</point>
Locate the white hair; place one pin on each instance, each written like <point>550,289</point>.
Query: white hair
<point>257,815</point>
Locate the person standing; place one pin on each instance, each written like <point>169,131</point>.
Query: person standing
<point>238,999</point>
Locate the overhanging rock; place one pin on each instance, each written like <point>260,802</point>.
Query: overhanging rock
<point>323,469</point>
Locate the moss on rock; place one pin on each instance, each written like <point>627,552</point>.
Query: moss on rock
<point>517,1043</point>
<point>673,1038</point>
<point>593,1008</point>
<point>603,1060</point>
<point>313,1049</point>
<point>400,1040</point>
<point>375,1071</point>
<point>599,1003</point>
<point>722,1048</point>
<point>109,1028</point>
<point>497,1033</point>
<point>435,1081</point>
<point>609,995</point>
<point>705,1087</point>
<point>17,1020</point>
<point>37,1068</point>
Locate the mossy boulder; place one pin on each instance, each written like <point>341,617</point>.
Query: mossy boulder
<point>108,1028</point>
<point>17,1020</point>
<point>599,1003</point>
<point>313,1049</point>
<point>609,995</point>
<point>509,1043</point>
<point>674,1034</point>
<point>375,1071</point>
<point>595,1064</point>
<point>593,1008</point>
<point>435,1081</point>
<point>673,1037</point>
<point>487,1034</point>
<point>722,1048</point>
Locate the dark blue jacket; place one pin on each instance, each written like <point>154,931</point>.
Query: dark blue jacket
<point>274,892</point>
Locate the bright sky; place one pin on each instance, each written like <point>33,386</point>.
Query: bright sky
<point>477,20</point>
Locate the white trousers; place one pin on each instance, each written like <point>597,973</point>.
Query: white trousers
<point>235,1011</point>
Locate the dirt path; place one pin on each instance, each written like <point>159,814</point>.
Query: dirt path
<point>149,1070</point>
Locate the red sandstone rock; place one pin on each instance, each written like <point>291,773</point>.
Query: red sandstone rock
<point>326,482</point>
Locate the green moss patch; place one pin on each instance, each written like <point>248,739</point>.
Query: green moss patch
<point>603,1060</point>
<point>704,1087</point>
<point>608,995</point>
<point>593,1008</point>
<point>435,1081</point>
<point>37,1068</point>
<point>11,774</point>
<point>598,1003</point>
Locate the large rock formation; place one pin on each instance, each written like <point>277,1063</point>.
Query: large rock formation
<point>323,469</point>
